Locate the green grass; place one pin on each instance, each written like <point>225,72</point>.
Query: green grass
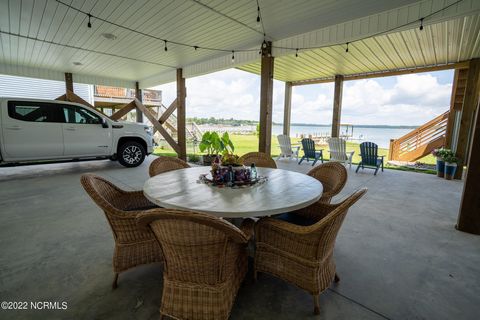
<point>249,143</point>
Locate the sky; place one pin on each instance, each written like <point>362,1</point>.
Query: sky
<point>401,100</point>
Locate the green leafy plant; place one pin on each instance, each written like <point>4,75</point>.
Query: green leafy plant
<point>450,158</point>
<point>206,143</point>
<point>442,153</point>
<point>228,147</point>
<point>213,144</point>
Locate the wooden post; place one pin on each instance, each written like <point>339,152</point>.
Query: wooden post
<point>469,215</point>
<point>287,110</point>
<point>181,124</point>
<point>337,106</point>
<point>139,96</point>
<point>266,94</point>
<point>470,102</point>
<point>68,82</point>
<point>451,115</point>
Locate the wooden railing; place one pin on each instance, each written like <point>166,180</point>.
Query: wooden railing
<point>421,141</point>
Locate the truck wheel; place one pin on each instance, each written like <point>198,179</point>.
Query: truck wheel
<point>131,154</point>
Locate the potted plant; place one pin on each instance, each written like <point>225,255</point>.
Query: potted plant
<point>439,154</point>
<point>450,165</point>
<point>212,145</point>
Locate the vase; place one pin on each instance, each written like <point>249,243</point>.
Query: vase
<point>440,167</point>
<point>450,169</point>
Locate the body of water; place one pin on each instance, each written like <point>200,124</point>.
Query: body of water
<point>380,136</point>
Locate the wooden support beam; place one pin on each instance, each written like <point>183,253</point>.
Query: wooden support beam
<point>469,215</point>
<point>451,115</point>
<point>181,121</point>
<point>124,110</point>
<point>63,97</point>
<point>287,109</point>
<point>337,105</point>
<point>386,73</point>
<point>72,97</point>
<point>470,103</point>
<point>266,94</point>
<point>68,82</point>
<point>168,112</point>
<point>157,125</point>
<point>139,96</point>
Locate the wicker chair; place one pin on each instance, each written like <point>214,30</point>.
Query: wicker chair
<point>333,177</point>
<point>303,255</point>
<point>259,158</point>
<point>164,164</point>
<point>205,262</point>
<point>133,246</point>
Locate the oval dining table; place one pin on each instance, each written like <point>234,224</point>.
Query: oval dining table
<point>284,191</point>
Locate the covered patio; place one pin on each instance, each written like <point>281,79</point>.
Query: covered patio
<point>408,249</point>
<point>397,254</point>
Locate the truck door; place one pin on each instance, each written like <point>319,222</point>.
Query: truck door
<point>31,131</point>
<point>83,133</point>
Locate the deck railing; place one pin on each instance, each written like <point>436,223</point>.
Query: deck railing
<point>421,141</point>
<point>127,94</point>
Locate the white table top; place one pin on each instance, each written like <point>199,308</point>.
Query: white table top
<point>283,192</point>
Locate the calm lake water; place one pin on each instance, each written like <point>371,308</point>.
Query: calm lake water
<point>380,136</point>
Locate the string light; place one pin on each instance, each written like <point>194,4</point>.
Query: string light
<point>259,20</point>
<point>233,56</point>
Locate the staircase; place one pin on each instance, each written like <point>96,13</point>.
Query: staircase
<point>193,132</point>
<point>421,141</point>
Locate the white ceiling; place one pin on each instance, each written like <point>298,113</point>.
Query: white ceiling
<point>226,24</point>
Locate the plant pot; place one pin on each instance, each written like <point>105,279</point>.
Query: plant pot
<point>450,169</point>
<point>440,167</point>
<point>208,159</point>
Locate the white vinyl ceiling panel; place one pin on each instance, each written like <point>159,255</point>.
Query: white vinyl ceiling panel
<point>438,44</point>
<point>43,38</point>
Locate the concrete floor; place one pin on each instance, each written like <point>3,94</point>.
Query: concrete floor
<point>398,254</point>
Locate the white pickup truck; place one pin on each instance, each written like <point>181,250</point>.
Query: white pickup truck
<point>39,130</point>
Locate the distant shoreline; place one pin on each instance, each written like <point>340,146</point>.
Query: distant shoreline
<point>355,126</point>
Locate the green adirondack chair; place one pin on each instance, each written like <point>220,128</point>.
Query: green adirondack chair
<point>370,157</point>
<point>310,152</point>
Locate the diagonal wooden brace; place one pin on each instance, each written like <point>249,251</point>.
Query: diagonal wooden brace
<point>124,110</point>
<point>157,125</point>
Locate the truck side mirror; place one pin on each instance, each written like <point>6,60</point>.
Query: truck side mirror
<point>104,123</point>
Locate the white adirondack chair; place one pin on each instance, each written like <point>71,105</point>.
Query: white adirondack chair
<point>286,150</point>
<point>338,151</point>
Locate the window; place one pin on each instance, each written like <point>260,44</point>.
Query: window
<point>74,114</point>
<point>33,111</point>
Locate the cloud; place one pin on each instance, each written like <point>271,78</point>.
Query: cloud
<point>404,100</point>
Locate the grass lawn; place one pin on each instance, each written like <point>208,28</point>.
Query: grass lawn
<point>248,143</point>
